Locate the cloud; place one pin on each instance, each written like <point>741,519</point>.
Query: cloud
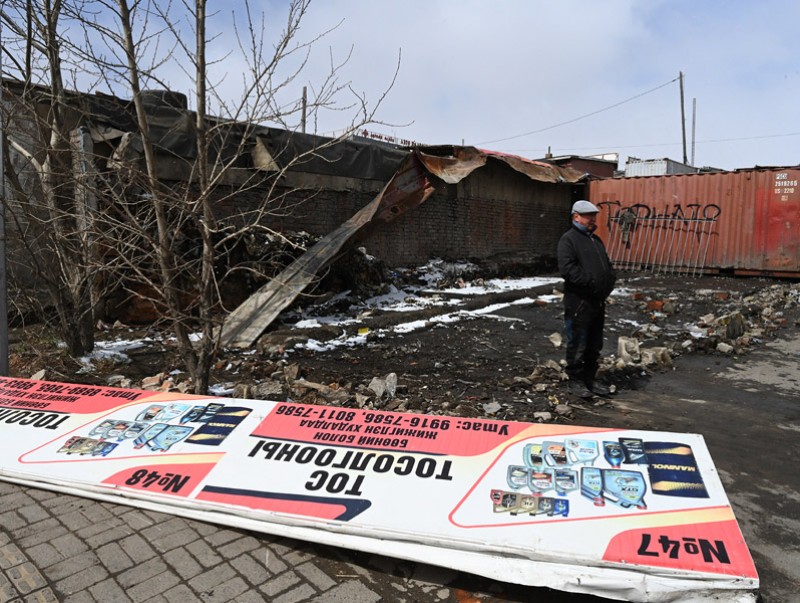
<point>476,72</point>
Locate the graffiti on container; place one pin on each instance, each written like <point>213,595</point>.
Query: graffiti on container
<point>675,238</point>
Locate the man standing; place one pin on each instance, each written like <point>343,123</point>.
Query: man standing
<point>588,281</point>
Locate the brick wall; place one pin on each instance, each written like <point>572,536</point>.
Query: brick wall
<point>495,210</point>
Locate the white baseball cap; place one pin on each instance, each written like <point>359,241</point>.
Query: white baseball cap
<point>584,207</point>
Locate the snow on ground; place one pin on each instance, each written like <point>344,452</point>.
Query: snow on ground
<point>112,350</point>
<point>497,285</point>
<point>407,299</point>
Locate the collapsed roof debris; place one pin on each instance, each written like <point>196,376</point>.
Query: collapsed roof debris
<point>409,188</point>
<point>244,325</point>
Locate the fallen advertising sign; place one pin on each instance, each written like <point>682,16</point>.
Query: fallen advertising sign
<point>623,514</point>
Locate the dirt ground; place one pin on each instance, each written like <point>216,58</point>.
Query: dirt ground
<point>743,400</point>
<point>498,360</point>
<point>501,364</point>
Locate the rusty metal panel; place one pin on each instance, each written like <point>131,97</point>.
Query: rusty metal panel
<point>453,164</point>
<point>744,221</point>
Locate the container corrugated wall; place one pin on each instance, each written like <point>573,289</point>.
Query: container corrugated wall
<point>745,222</point>
<point>651,167</point>
<point>656,167</point>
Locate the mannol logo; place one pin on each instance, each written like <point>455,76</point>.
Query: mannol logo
<point>673,467</point>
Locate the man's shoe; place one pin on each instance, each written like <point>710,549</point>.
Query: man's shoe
<point>598,389</point>
<point>576,388</point>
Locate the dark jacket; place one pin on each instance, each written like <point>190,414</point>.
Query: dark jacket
<point>584,264</point>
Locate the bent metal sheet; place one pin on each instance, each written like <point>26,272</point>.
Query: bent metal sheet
<point>632,515</point>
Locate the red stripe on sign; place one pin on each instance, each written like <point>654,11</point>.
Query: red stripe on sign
<point>174,478</point>
<point>716,547</point>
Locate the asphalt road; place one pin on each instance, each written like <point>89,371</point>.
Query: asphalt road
<point>748,411</point>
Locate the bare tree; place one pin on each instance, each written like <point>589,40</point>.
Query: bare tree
<point>158,231</point>
<point>53,224</point>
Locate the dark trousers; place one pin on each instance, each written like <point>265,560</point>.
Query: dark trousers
<point>583,328</point>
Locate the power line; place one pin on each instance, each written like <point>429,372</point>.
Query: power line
<point>564,123</point>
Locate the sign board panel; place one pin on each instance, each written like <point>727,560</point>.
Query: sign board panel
<point>634,515</point>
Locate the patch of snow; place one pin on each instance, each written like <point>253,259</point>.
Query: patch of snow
<point>221,389</point>
<point>309,323</point>
<point>112,350</point>
<point>408,327</point>
<point>622,292</point>
<point>499,284</point>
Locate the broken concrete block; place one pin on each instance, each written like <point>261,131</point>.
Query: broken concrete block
<point>725,348</point>
<point>628,350</point>
<point>154,382</point>
<point>543,416</point>
<point>555,339</point>
<point>491,408</point>
<point>268,389</point>
<point>331,394</point>
<point>707,320</point>
<point>386,386</point>
<point>377,386</point>
<point>552,364</point>
<point>116,381</point>
<point>291,372</point>
<point>659,356</point>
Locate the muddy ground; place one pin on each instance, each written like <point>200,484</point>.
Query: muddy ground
<point>501,362</point>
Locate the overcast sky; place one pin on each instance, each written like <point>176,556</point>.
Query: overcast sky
<point>501,74</point>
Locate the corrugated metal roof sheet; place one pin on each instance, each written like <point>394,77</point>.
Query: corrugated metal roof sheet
<point>452,164</point>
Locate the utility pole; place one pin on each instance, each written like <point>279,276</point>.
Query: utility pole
<point>305,108</point>
<point>694,122</point>
<point>683,119</point>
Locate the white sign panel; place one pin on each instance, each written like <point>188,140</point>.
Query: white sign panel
<point>633,515</point>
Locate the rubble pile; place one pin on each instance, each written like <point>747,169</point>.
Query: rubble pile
<point>739,320</point>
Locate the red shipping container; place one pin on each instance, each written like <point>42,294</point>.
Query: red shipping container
<point>742,222</point>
